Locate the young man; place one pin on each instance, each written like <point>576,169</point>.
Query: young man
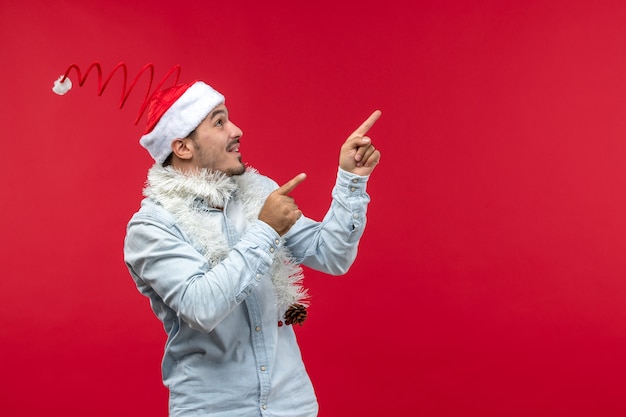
<point>216,247</point>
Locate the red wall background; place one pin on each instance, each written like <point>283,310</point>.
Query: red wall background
<point>491,279</point>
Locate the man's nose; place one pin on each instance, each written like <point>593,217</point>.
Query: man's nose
<point>236,132</point>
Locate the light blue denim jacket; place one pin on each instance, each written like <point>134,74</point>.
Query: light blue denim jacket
<point>225,355</point>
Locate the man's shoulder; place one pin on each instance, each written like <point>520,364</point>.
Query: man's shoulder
<point>151,211</point>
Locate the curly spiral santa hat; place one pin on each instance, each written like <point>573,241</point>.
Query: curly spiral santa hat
<point>173,112</point>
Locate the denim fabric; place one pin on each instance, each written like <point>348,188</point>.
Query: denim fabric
<point>225,354</point>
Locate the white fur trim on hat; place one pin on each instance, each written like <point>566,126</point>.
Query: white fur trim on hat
<point>181,119</point>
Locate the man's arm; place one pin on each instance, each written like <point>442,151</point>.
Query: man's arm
<point>331,246</point>
<point>158,257</point>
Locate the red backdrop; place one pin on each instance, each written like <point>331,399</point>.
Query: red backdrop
<point>490,281</point>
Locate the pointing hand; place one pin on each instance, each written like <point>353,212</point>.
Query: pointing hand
<point>280,210</point>
<point>358,155</point>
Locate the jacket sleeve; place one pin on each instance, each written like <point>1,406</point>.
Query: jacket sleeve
<point>161,260</point>
<point>331,246</point>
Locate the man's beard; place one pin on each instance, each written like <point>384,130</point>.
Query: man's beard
<point>236,171</point>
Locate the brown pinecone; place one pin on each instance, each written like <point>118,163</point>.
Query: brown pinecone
<point>295,314</point>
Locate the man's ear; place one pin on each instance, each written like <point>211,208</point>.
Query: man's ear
<point>182,148</point>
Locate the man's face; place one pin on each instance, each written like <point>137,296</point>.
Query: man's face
<point>216,143</point>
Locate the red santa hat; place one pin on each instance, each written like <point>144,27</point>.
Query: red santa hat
<point>174,113</point>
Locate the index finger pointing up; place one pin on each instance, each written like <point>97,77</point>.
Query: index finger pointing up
<point>290,185</point>
<point>367,125</point>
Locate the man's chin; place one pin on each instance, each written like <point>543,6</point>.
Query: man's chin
<point>236,171</point>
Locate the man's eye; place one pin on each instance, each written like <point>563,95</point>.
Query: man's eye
<point>219,123</point>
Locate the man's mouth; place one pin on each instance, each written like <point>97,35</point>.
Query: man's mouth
<point>234,147</point>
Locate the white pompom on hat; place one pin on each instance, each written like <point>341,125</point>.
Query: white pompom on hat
<point>62,87</point>
<point>174,113</point>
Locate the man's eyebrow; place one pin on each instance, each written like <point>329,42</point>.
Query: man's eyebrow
<point>216,112</point>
